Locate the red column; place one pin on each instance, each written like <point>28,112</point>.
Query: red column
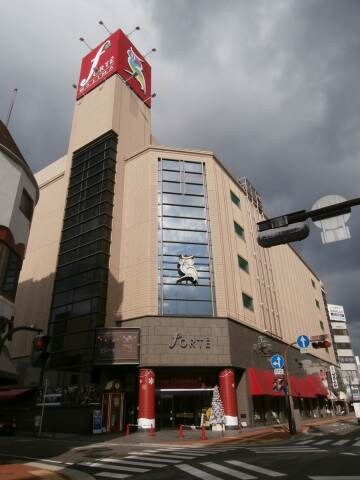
<point>146,416</point>
<point>228,397</point>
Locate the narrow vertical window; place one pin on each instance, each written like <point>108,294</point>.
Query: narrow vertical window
<point>234,198</point>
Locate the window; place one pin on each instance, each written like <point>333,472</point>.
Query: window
<point>234,198</point>
<point>239,230</point>
<point>243,264</point>
<point>313,283</point>
<point>247,301</point>
<point>10,265</point>
<point>317,303</point>
<point>26,205</point>
<point>322,325</point>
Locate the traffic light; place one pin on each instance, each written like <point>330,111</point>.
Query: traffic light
<point>321,344</point>
<point>270,236</point>
<point>39,353</point>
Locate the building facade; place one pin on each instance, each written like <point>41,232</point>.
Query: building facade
<point>18,195</point>
<point>144,267</point>
<point>344,353</point>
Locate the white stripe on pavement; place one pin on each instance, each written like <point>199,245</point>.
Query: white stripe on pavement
<point>349,453</point>
<point>341,442</point>
<point>255,468</point>
<point>304,442</point>
<point>356,444</point>
<point>111,475</point>
<point>164,455</point>
<point>322,442</point>
<point>228,471</point>
<point>152,459</point>
<point>196,472</point>
<point>309,450</point>
<point>115,467</point>
<point>127,462</point>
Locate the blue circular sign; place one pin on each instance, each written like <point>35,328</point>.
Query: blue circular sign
<point>303,341</point>
<point>277,361</point>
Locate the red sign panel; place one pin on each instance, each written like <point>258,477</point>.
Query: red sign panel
<point>116,55</point>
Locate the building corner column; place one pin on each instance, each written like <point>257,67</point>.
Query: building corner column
<point>228,398</point>
<point>146,416</point>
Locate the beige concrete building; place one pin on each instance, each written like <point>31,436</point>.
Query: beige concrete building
<point>143,266</point>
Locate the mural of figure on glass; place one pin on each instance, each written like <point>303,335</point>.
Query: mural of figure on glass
<point>187,269</point>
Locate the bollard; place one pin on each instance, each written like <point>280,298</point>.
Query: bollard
<point>127,429</point>
<point>181,432</point>
<point>152,432</point>
<point>203,433</point>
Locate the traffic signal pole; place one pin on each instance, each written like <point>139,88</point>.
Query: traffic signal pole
<point>289,399</point>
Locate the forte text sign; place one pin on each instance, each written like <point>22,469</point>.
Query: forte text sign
<point>190,342</point>
<point>116,55</point>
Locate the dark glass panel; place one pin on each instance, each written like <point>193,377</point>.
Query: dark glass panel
<point>172,281</point>
<point>184,236</point>
<point>190,200</point>
<point>185,249</point>
<point>171,165</point>
<point>180,211</point>
<point>186,292</point>
<point>171,187</point>
<point>195,167</point>
<point>180,307</point>
<point>184,223</point>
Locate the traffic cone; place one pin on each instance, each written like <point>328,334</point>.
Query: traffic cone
<point>181,432</point>
<point>127,429</point>
<point>203,433</point>
<point>152,432</point>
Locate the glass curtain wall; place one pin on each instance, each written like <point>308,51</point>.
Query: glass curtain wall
<point>184,230</point>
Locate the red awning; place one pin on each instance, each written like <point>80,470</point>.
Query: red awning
<point>13,393</point>
<point>261,382</point>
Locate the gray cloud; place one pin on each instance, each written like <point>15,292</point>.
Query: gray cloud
<point>270,87</point>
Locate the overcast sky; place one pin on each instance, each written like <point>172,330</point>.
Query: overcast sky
<point>272,87</point>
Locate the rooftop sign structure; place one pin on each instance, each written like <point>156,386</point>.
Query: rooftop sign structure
<point>116,55</point>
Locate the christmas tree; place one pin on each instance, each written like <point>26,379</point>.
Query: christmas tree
<point>217,418</point>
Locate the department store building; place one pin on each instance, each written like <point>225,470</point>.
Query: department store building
<point>143,266</point>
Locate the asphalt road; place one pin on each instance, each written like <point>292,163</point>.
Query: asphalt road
<point>331,452</point>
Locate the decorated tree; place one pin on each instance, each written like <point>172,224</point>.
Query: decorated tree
<point>217,418</point>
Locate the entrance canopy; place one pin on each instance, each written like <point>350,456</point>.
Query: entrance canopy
<point>261,382</point>
<point>13,393</point>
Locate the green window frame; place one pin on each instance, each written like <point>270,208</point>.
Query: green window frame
<point>243,264</point>
<point>322,325</point>
<point>317,303</point>
<point>247,301</point>
<point>239,230</point>
<point>234,198</point>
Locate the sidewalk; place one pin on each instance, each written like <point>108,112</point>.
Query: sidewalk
<point>40,471</point>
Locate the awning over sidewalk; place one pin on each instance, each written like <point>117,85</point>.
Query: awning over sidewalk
<point>13,393</point>
<point>261,382</point>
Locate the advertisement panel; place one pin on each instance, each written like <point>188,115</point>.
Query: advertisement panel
<point>116,55</point>
<point>336,313</point>
<point>117,346</point>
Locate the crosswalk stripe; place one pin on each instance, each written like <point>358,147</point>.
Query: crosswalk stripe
<point>304,442</point>
<point>196,472</point>
<point>356,444</point>
<point>255,468</point>
<point>111,475</point>
<point>127,462</point>
<point>152,459</point>
<point>341,442</point>
<point>228,471</point>
<point>115,467</point>
<point>349,453</point>
<point>182,454</point>
<point>289,450</point>
<point>322,442</point>
<point>164,455</point>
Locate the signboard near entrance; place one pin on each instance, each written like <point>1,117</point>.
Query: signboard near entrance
<point>117,346</point>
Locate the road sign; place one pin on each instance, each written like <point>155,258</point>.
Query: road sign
<point>278,371</point>
<point>303,341</point>
<point>277,361</point>
<point>304,350</point>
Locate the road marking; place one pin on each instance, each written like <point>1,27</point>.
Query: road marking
<point>356,444</point>
<point>341,442</point>
<point>314,450</point>
<point>111,475</point>
<point>228,471</point>
<point>196,472</point>
<point>127,462</point>
<point>255,468</point>
<point>164,455</point>
<point>115,467</point>
<point>349,453</point>
<point>305,442</point>
<point>152,459</point>
<point>322,442</point>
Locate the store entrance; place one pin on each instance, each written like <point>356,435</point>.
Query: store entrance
<point>181,407</point>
